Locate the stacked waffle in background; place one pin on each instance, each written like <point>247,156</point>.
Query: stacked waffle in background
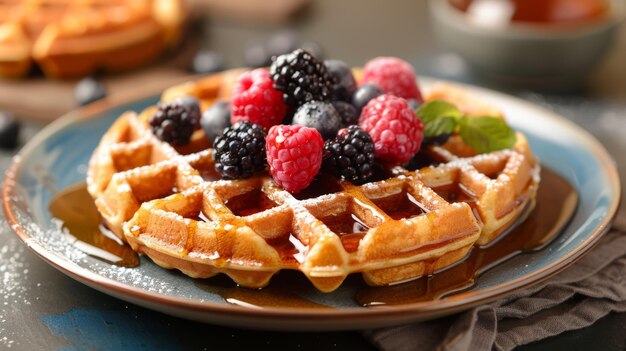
<point>74,38</point>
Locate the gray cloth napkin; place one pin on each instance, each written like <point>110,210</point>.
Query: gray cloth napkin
<point>573,299</point>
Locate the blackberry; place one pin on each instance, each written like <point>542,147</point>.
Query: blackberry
<point>348,113</point>
<point>350,155</point>
<point>319,115</point>
<point>344,84</point>
<point>301,77</point>
<point>364,94</point>
<point>240,151</point>
<point>175,121</point>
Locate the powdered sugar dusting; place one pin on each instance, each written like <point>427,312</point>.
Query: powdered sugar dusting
<point>56,241</point>
<point>13,272</point>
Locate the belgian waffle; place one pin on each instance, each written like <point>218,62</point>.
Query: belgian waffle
<point>73,38</point>
<point>169,204</point>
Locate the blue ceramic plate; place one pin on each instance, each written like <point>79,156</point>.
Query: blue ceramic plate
<point>58,156</point>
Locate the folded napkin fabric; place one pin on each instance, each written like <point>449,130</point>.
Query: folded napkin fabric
<point>575,298</point>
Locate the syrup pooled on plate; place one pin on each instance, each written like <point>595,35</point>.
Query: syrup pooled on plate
<point>75,208</point>
<point>555,204</point>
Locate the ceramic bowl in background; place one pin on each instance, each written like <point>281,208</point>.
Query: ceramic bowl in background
<point>541,56</point>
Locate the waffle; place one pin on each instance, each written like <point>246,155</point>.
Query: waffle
<point>168,203</point>
<point>73,38</point>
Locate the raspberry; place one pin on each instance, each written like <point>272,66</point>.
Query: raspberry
<point>254,99</point>
<point>350,155</point>
<point>240,151</point>
<point>294,154</point>
<point>394,76</point>
<point>395,129</point>
<point>175,121</point>
<point>301,77</point>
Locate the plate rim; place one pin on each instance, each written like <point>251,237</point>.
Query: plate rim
<point>416,310</point>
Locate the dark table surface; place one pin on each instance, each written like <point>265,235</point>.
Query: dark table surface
<point>40,308</point>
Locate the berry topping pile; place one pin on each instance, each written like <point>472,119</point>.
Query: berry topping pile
<point>301,77</point>
<point>294,154</point>
<point>255,100</point>
<point>175,121</point>
<point>240,151</point>
<point>280,118</point>
<point>350,155</point>
<point>395,130</point>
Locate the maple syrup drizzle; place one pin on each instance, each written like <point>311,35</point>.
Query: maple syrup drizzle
<point>350,228</point>
<point>556,203</point>
<point>249,203</point>
<point>75,208</point>
<point>285,290</point>
<point>400,206</point>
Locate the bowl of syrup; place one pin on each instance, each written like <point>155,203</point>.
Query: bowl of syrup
<point>541,44</point>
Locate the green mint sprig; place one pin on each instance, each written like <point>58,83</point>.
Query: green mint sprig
<point>482,133</point>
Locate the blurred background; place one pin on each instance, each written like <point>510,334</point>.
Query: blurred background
<point>551,45</point>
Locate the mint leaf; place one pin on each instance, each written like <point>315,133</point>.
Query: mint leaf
<point>435,109</point>
<point>486,134</point>
<point>439,126</point>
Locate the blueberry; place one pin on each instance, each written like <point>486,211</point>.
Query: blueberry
<point>283,42</point>
<point>364,94</point>
<point>215,119</point>
<point>413,104</point>
<point>207,61</point>
<point>89,90</point>
<point>319,115</point>
<point>9,131</point>
<point>348,113</point>
<point>344,84</point>
<point>257,55</point>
